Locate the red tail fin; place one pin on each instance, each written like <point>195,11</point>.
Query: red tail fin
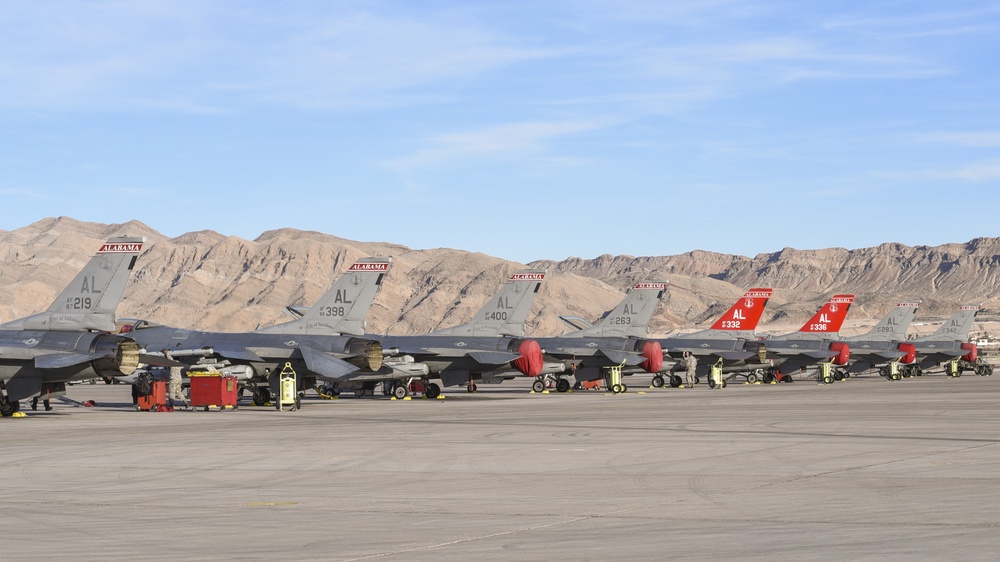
<point>830,317</point>
<point>745,314</point>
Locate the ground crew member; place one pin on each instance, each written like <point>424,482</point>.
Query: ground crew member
<point>45,402</point>
<point>691,368</point>
<point>174,385</point>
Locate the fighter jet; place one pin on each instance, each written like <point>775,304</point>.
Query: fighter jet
<point>816,342</point>
<point>71,340</point>
<point>490,347</point>
<point>326,342</point>
<point>949,345</point>
<point>726,340</point>
<point>619,339</point>
<point>883,346</point>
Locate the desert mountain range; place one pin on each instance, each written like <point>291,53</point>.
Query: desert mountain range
<point>205,280</point>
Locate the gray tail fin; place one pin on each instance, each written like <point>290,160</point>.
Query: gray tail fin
<point>505,313</point>
<point>90,300</point>
<point>894,326</point>
<point>957,327</point>
<point>342,310</point>
<point>631,316</point>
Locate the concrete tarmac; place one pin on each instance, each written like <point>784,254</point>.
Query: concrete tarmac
<point>859,470</point>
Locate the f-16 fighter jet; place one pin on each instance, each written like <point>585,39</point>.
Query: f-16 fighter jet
<point>325,343</point>
<point>884,346</point>
<point>814,344</point>
<point>949,345</point>
<point>71,340</point>
<point>490,347</point>
<point>726,340</point>
<point>619,339</point>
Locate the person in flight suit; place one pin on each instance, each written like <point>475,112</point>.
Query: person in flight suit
<point>690,367</point>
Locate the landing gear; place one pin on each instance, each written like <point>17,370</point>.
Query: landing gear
<point>261,396</point>
<point>8,408</point>
<point>675,381</point>
<point>400,391</point>
<point>984,370</point>
<point>432,390</point>
<point>538,386</point>
<point>657,381</point>
<point>471,388</point>
<point>562,385</point>
<point>752,378</point>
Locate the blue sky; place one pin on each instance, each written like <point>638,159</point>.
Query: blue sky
<point>524,130</point>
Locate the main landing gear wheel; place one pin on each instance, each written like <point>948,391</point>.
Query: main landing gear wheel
<point>562,385</point>
<point>399,391</point>
<point>538,386</point>
<point>675,381</point>
<point>432,390</point>
<point>8,408</point>
<point>697,380</point>
<point>657,381</point>
<point>261,396</point>
<point>471,388</point>
<point>752,378</point>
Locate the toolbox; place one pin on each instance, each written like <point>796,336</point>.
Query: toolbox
<point>213,390</point>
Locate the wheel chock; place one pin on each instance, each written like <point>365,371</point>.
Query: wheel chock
<point>19,415</point>
<point>758,382</point>
<point>532,392</point>
<point>641,392</point>
<point>546,391</point>
<point>393,398</point>
<point>440,397</point>
<point>405,398</point>
<point>774,382</point>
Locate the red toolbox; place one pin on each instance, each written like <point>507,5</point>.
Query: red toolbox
<point>213,390</point>
<point>156,399</point>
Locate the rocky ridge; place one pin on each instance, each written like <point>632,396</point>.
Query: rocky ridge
<point>206,280</point>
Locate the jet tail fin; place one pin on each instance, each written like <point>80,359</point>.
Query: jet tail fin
<point>957,327</point>
<point>342,310</point>
<point>506,312</point>
<point>631,316</point>
<point>829,318</point>
<point>740,320</point>
<point>90,300</point>
<point>894,326</point>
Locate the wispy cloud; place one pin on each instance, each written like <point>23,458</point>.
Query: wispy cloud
<point>985,139</point>
<point>194,56</point>
<point>501,141</point>
<point>979,172</point>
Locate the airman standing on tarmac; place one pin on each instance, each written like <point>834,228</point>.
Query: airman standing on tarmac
<point>175,384</point>
<point>690,368</point>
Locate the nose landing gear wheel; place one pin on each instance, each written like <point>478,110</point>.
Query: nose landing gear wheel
<point>538,386</point>
<point>657,381</point>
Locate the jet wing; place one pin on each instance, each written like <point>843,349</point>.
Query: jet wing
<point>890,354</point>
<point>325,364</point>
<point>493,357</point>
<point>622,357</point>
<point>734,355</point>
<point>241,354</point>
<point>60,360</point>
